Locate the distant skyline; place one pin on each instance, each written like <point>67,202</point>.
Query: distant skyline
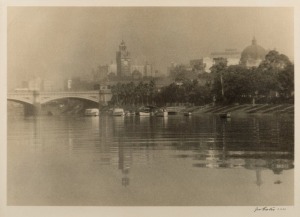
<point>59,42</point>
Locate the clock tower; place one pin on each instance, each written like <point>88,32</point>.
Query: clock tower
<point>123,61</point>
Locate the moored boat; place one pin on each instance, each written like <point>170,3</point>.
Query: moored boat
<point>146,111</point>
<point>118,112</point>
<point>225,115</point>
<point>161,113</point>
<point>91,112</point>
<point>187,113</point>
<point>129,113</point>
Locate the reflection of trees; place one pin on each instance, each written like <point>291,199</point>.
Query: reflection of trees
<point>256,147</point>
<point>251,143</point>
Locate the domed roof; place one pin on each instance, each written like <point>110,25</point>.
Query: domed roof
<point>253,52</point>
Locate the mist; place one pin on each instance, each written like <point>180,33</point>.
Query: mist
<point>56,43</point>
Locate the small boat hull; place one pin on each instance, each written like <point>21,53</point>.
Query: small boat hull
<point>225,115</point>
<point>130,113</point>
<point>145,114</point>
<point>118,112</point>
<point>91,112</point>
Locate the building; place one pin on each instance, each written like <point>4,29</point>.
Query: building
<point>39,84</point>
<point>171,67</point>
<point>100,73</point>
<point>137,75</point>
<point>139,68</point>
<point>208,62</point>
<point>112,68</point>
<point>148,70</point>
<point>252,55</point>
<point>218,60</point>
<point>197,65</point>
<point>123,61</point>
<point>231,55</point>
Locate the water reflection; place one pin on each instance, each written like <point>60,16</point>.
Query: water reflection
<point>254,144</point>
<point>256,147</point>
<point>121,146</point>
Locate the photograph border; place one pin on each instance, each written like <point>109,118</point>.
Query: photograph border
<point>57,211</point>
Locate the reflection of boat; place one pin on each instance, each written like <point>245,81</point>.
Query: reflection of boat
<point>161,113</point>
<point>118,112</point>
<point>225,115</point>
<point>91,112</point>
<point>187,113</point>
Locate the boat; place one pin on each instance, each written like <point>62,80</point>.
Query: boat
<point>187,113</point>
<point>146,111</point>
<point>129,113</point>
<point>91,112</point>
<point>118,112</point>
<point>225,115</point>
<point>161,113</point>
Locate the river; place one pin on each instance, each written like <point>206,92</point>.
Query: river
<point>150,161</point>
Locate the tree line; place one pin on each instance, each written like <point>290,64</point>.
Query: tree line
<point>271,82</point>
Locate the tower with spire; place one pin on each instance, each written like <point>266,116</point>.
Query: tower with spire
<point>123,60</point>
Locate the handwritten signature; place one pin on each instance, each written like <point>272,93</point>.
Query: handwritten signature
<point>270,209</point>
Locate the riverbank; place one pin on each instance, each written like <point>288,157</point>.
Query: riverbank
<point>245,109</point>
<point>207,109</point>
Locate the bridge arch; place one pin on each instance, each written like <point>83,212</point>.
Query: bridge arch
<point>37,98</point>
<point>28,107</point>
<point>21,101</point>
<point>50,99</point>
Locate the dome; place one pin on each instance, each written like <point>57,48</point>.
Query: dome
<point>253,52</point>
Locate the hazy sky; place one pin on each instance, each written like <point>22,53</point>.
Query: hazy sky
<point>51,42</point>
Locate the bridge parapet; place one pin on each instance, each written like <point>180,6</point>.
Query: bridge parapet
<point>32,97</point>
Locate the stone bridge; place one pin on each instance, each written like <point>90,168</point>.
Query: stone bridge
<point>37,98</point>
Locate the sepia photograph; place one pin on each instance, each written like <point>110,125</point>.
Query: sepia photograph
<point>150,106</point>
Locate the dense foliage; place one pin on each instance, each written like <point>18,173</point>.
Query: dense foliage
<point>271,82</point>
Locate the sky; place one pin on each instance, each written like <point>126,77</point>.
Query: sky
<point>59,42</point>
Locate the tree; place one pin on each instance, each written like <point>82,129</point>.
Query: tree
<point>238,86</point>
<point>274,61</point>
<point>217,71</point>
<point>112,76</point>
<point>136,75</point>
<point>181,73</point>
<point>130,93</point>
<point>286,81</point>
<point>152,88</point>
<point>276,73</point>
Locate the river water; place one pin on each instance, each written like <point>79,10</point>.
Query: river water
<point>149,161</point>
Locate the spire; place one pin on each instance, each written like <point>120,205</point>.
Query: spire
<point>253,41</point>
<point>122,46</point>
